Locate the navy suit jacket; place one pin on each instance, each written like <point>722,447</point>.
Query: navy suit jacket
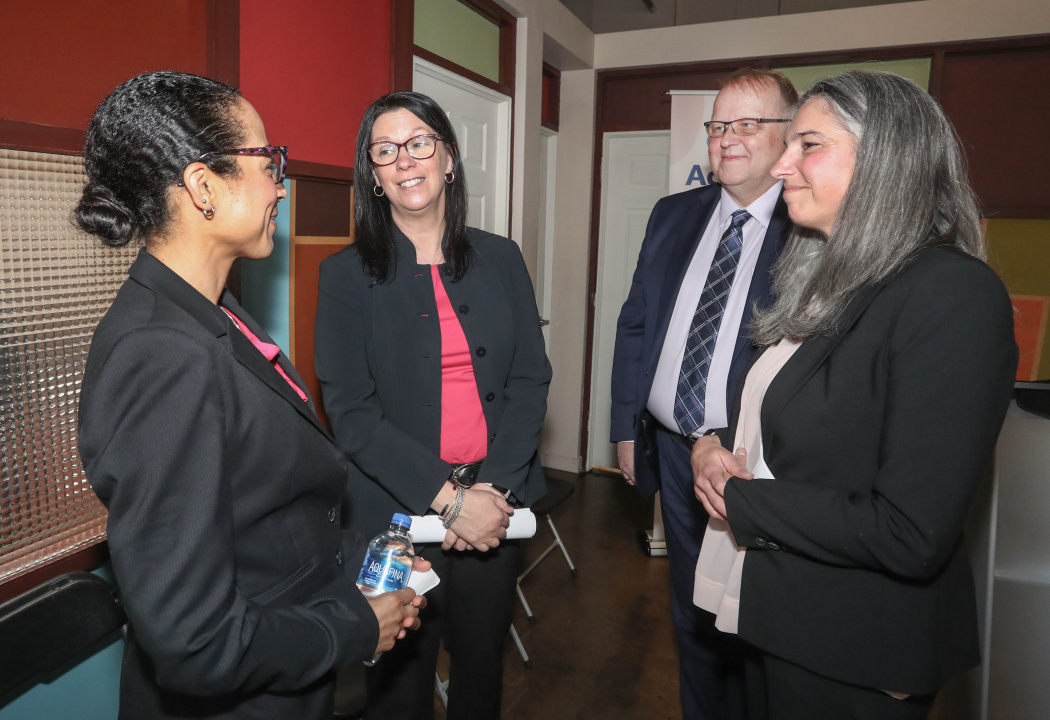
<point>675,227</point>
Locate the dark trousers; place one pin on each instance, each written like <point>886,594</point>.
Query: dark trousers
<point>470,610</point>
<point>711,663</point>
<point>779,690</point>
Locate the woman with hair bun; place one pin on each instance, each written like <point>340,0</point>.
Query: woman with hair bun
<point>862,431</point>
<point>225,494</point>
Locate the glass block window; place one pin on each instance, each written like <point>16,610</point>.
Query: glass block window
<point>55,285</point>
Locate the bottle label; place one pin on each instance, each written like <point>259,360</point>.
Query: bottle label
<point>384,572</point>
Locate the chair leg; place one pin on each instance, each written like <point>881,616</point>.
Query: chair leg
<point>521,648</point>
<point>525,604</point>
<point>441,686</point>
<point>557,540</point>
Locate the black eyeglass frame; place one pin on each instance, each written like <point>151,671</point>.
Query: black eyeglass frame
<point>404,145</point>
<point>729,124</point>
<point>270,151</point>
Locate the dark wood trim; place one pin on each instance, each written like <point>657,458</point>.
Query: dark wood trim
<point>18,135</point>
<point>306,170</point>
<point>402,40</point>
<point>490,11</point>
<point>553,98</point>
<point>223,37</point>
<point>86,559</point>
<point>462,71</point>
<point>508,44</point>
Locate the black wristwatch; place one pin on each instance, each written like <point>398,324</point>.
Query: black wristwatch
<point>464,475</point>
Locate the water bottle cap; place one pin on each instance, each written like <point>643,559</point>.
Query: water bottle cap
<point>401,519</point>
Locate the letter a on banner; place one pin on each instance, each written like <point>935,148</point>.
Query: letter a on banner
<point>690,165</point>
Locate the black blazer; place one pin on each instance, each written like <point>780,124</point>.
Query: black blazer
<point>878,438</point>
<point>225,511</point>
<point>378,355</point>
<point>675,227</point>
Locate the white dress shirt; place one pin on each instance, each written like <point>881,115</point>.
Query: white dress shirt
<point>669,367</point>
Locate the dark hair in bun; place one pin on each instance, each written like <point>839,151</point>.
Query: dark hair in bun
<point>139,142</point>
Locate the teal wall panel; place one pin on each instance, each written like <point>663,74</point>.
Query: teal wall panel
<point>264,283</point>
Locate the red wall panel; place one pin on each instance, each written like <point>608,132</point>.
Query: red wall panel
<point>311,69</point>
<point>61,58</point>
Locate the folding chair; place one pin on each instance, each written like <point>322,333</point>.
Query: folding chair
<point>558,491</point>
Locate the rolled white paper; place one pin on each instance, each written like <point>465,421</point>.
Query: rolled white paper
<point>428,529</point>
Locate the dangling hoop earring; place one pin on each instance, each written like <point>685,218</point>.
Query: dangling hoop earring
<point>378,191</point>
<point>208,213</point>
<point>450,177</point>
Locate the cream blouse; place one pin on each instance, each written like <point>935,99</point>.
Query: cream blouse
<point>721,563</point>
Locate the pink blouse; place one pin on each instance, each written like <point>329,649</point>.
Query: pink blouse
<point>463,429</point>
<point>269,351</point>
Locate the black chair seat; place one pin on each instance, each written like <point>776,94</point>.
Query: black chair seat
<point>47,627</point>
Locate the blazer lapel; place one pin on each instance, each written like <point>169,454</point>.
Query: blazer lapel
<point>249,356</point>
<point>681,253</point>
<point>808,358</point>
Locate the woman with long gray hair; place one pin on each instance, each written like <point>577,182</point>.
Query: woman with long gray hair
<point>835,546</point>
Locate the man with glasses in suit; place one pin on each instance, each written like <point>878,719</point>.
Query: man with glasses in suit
<point>682,347</point>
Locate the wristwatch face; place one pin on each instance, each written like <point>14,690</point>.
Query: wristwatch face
<point>462,476</point>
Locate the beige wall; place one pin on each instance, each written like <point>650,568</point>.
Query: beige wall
<point>567,43</point>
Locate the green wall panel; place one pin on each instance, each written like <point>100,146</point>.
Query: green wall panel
<point>455,32</point>
<point>917,70</point>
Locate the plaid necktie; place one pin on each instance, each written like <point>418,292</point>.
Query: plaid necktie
<point>700,345</point>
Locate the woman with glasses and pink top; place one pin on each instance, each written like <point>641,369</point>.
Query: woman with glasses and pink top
<point>226,496</point>
<point>434,376</point>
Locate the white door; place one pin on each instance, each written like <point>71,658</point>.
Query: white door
<point>481,118</point>
<point>634,177</point>
<point>545,261</point>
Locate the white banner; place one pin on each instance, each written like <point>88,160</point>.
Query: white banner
<point>690,165</point>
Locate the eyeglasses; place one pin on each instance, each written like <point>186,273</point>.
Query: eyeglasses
<point>742,126</point>
<point>419,147</point>
<point>278,155</point>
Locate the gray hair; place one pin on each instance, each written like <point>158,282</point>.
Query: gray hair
<point>908,192</point>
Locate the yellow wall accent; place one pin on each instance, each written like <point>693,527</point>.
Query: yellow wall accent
<point>1019,251</point>
<point>455,32</point>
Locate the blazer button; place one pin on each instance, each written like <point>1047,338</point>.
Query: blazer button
<point>338,557</point>
<point>772,545</point>
<point>480,352</point>
<point>331,515</point>
<point>760,542</point>
<point>489,397</point>
<point>464,309</point>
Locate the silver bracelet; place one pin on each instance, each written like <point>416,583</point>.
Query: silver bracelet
<point>456,507</point>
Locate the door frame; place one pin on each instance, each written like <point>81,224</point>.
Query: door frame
<point>597,288</point>
<point>504,139</point>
